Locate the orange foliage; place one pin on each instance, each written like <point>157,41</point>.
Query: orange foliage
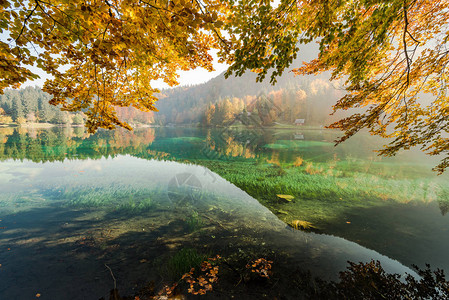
<point>203,283</point>
<point>261,266</point>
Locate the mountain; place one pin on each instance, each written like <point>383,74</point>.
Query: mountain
<point>306,97</point>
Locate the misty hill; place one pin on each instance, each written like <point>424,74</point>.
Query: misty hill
<point>307,97</point>
<point>216,102</point>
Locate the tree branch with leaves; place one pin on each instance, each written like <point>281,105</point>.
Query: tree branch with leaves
<point>391,55</point>
<point>106,54</point>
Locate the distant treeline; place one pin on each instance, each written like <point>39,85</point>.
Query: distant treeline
<point>31,105</point>
<point>280,106</point>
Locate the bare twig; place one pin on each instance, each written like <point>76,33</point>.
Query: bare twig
<point>113,277</point>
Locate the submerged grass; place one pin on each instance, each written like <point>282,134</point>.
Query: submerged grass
<point>183,260</point>
<point>13,203</point>
<point>266,182</point>
<point>323,190</point>
<point>114,197</point>
<point>144,204</point>
<point>194,222</point>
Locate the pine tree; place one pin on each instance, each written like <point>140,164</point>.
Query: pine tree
<point>17,109</point>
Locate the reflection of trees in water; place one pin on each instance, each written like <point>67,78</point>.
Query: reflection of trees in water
<point>444,207</point>
<point>231,142</point>
<point>57,144</point>
<point>443,200</point>
<point>190,144</point>
<point>60,143</point>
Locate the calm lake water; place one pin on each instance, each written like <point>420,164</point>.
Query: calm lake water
<point>75,207</point>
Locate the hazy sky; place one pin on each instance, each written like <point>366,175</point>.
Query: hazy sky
<point>196,76</point>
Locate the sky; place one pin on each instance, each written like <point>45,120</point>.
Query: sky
<point>197,76</point>
<point>192,77</point>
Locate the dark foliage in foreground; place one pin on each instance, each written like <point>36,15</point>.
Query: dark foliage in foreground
<point>359,281</point>
<point>370,281</point>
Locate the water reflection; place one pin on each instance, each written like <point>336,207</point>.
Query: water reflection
<point>50,144</point>
<point>444,207</point>
<point>395,206</point>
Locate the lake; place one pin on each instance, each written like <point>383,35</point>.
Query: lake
<point>80,212</point>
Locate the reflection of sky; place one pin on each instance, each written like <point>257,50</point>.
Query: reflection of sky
<point>123,169</point>
<point>88,165</point>
<point>15,175</point>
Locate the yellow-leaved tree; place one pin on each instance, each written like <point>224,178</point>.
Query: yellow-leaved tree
<point>105,53</point>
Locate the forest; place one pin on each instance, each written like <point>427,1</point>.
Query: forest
<point>31,105</point>
<point>218,102</point>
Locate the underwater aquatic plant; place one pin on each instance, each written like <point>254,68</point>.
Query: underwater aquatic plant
<point>133,205</point>
<point>194,222</point>
<point>183,261</point>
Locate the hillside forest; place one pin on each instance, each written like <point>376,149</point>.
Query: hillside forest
<point>218,102</point>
